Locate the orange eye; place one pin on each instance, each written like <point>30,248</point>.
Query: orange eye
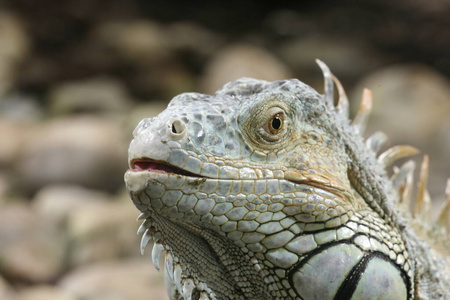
<point>275,125</point>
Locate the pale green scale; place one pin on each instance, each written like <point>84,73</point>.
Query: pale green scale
<point>210,170</point>
<point>193,165</point>
<point>381,281</point>
<point>277,240</point>
<point>270,228</point>
<point>209,186</point>
<point>322,276</point>
<point>247,226</point>
<point>325,237</point>
<point>302,244</point>
<point>282,258</point>
<point>174,182</point>
<point>186,203</point>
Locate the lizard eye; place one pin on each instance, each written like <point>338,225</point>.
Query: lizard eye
<point>275,124</point>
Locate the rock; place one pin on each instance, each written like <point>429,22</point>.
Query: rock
<point>165,80</point>
<point>86,150</point>
<point>411,105</point>
<point>133,279</point>
<point>97,226</point>
<point>33,250</point>
<point>5,187</point>
<point>6,292</point>
<point>103,232</point>
<point>238,61</point>
<point>14,48</point>
<point>137,42</point>
<point>58,202</point>
<point>97,95</point>
<point>193,37</point>
<point>44,292</point>
<point>20,107</point>
<point>13,136</point>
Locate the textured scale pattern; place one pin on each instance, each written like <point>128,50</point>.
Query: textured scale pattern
<point>266,190</point>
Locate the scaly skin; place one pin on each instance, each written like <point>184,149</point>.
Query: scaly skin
<point>265,191</point>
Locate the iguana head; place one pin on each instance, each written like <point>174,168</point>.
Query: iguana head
<point>242,189</point>
<point>246,129</point>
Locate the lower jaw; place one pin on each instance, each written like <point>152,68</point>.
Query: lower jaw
<point>199,260</point>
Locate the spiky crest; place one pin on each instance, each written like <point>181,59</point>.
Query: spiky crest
<point>403,178</point>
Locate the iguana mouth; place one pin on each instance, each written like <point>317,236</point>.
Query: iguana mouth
<point>155,166</point>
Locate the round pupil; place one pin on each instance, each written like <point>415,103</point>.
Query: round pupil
<point>276,123</point>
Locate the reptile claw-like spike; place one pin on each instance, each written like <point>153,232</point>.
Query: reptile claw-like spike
<point>393,154</point>
<point>376,141</point>
<point>177,277</point>
<point>156,255</point>
<point>422,206</point>
<point>170,286</point>
<point>402,174</point>
<point>443,220</point>
<point>144,226</point>
<point>405,192</point>
<point>146,237</point>
<point>203,296</point>
<point>143,216</point>
<point>343,105</point>
<point>188,287</point>
<point>361,118</point>
<point>141,229</point>
<point>156,236</point>
<point>169,266</point>
<point>329,89</point>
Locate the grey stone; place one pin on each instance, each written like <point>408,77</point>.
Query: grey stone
<point>33,250</point>
<point>241,60</point>
<point>168,80</point>
<point>98,95</point>
<point>103,231</point>
<point>86,150</point>
<point>14,48</point>
<point>5,188</point>
<point>137,41</point>
<point>13,136</point>
<point>131,279</point>
<point>6,292</point>
<point>57,202</point>
<point>20,109</point>
<point>44,292</point>
<point>191,36</point>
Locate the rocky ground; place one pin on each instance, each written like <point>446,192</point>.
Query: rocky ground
<point>73,88</point>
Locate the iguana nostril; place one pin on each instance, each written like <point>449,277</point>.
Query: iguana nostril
<point>178,129</point>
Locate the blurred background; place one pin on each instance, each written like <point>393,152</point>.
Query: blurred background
<point>76,76</point>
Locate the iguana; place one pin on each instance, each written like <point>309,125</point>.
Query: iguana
<point>266,190</point>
